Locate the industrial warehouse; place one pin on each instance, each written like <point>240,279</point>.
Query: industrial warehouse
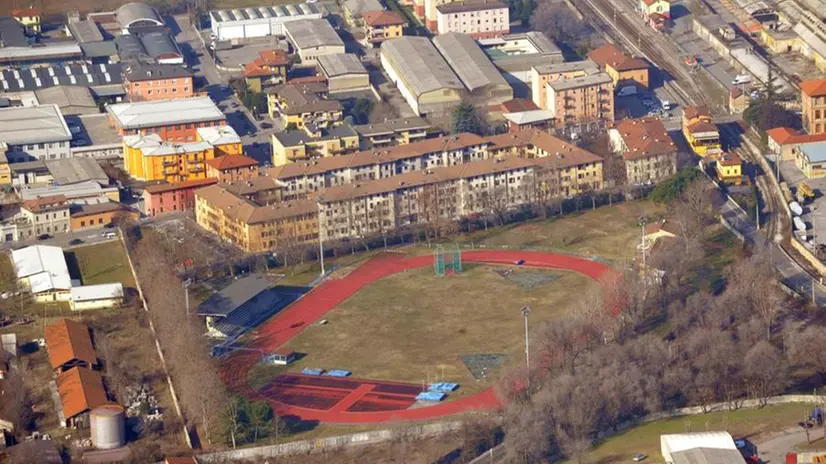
<point>262,21</point>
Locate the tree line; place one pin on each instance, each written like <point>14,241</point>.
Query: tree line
<point>659,338</point>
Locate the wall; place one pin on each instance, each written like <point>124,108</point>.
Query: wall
<point>159,89</point>
<point>38,151</point>
<point>95,304</point>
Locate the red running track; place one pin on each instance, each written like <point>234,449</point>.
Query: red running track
<point>332,292</point>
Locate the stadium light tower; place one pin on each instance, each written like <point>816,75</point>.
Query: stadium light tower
<point>320,239</point>
<point>526,311</point>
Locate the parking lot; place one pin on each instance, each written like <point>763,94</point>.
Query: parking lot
<point>814,213</point>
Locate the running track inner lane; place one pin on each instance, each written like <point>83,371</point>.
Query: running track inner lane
<point>315,304</point>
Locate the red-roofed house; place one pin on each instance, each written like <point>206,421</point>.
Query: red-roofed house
<point>656,13</point>
<point>813,99</point>
<point>382,25</point>
<point>623,69</point>
<point>232,168</point>
<point>785,141</point>
<point>168,198</point>
<point>649,153</point>
<point>270,67</point>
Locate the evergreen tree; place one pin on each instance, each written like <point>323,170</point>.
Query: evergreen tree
<point>465,119</point>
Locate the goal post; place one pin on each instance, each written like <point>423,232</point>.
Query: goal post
<point>447,260</point>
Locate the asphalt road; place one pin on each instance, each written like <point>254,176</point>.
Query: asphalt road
<point>88,236</point>
<point>255,139</point>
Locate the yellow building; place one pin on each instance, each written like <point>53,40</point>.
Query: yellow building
<point>29,18</point>
<point>382,25</point>
<point>148,157</point>
<point>254,228</point>
<point>5,170</point>
<point>729,168</point>
<point>700,132</point>
<point>303,103</point>
<point>269,68</point>
<point>294,145</point>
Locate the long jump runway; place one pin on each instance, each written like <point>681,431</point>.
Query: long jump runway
<point>348,400</point>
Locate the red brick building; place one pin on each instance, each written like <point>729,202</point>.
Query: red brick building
<point>232,168</point>
<point>175,120</point>
<point>144,82</point>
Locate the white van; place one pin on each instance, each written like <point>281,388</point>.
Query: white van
<point>741,79</point>
<point>110,235</point>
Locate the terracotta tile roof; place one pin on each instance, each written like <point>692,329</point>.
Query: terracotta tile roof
<point>692,112</point>
<point>650,2</point>
<point>729,158</point>
<point>610,55</point>
<point>232,162</point>
<point>813,88</point>
<point>304,98</point>
<point>189,460</point>
<point>561,151</point>
<point>702,126</point>
<point>645,137</point>
<point>663,225</point>
<point>245,211</point>
<point>80,390</point>
<point>189,184</point>
<point>788,136</point>
<point>382,18</point>
<point>25,12</point>
<point>518,104</point>
<point>99,208</point>
<point>266,58</point>
<point>376,156</point>
<point>67,340</point>
<point>46,203</point>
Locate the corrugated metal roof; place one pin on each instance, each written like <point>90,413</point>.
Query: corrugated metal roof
<point>815,152</point>
<point>164,112</point>
<point>340,64</point>
<point>133,12</point>
<point>160,44</point>
<point>44,266</point>
<point>97,292</point>
<point>468,61</point>
<point>38,124</point>
<point>234,296</point>
<point>309,33</point>
<point>420,65</point>
<point>13,80</point>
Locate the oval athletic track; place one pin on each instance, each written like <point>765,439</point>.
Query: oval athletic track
<point>323,298</point>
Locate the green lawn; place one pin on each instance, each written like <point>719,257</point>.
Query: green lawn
<point>102,264</point>
<point>609,232</point>
<point>743,423</point>
<point>414,326</point>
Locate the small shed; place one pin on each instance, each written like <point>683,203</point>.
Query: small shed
<point>69,345</point>
<point>344,72</point>
<point>80,390</point>
<point>100,296</point>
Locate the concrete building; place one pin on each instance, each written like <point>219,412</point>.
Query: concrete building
<point>298,145</point>
<point>355,9</point>
<point>270,68</point>
<point>75,170</point>
<point>253,227</point>
<point>344,72</point>
<point>101,296</point>
<point>145,82</point>
<point>623,69</point>
<point>148,157</point>
<point>526,120</point>
<point>34,133</point>
<point>422,75</point>
<point>170,198</point>
<point>785,141</point>
<point>249,23</point>
<point>648,151</point>
<point>301,104</point>
<point>29,19</point>
<point>813,101</point>
<point>581,100</point>
<point>382,25</point>
<point>729,168</point>
<point>515,54</point>
<point>232,168</point>
<point>89,189</point>
<point>485,85</point>
<point>171,120</point>
<point>312,38</point>
<point>49,215</point>
<point>481,19</point>
<point>71,100</point>
<point>811,159</point>
<point>542,75</point>
<point>394,132</point>
<point>162,48</point>
<point>42,270</point>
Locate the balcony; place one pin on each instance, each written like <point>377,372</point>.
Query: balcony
<point>167,163</point>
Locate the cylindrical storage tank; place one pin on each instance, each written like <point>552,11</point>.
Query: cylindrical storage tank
<point>106,424</point>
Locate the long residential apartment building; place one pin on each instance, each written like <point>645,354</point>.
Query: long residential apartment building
<point>377,191</point>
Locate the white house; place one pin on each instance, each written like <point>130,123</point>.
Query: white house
<point>43,270</point>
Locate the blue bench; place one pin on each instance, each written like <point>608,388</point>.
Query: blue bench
<point>309,371</point>
<point>338,373</point>
<point>430,396</point>
<point>443,387</point>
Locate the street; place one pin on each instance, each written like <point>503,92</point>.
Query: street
<point>256,140</point>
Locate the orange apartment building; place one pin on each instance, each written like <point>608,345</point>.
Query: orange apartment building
<point>174,120</point>
<point>543,74</point>
<point>232,168</point>
<point>581,100</point>
<point>99,215</point>
<point>813,100</point>
<point>147,82</point>
<point>623,69</point>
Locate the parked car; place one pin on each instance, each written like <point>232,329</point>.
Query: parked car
<point>109,235</point>
<point>44,237</point>
<point>75,241</point>
<point>639,457</point>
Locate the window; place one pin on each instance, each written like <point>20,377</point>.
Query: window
<point>82,223</point>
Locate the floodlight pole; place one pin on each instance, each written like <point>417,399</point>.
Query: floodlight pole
<point>320,239</point>
<point>526,311</point>
<point>186,283</point>
<point>642,222</point>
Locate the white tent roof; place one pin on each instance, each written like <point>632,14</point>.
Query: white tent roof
<point>44,266</point>
<point>674,443</point>
<point>97,292</point>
